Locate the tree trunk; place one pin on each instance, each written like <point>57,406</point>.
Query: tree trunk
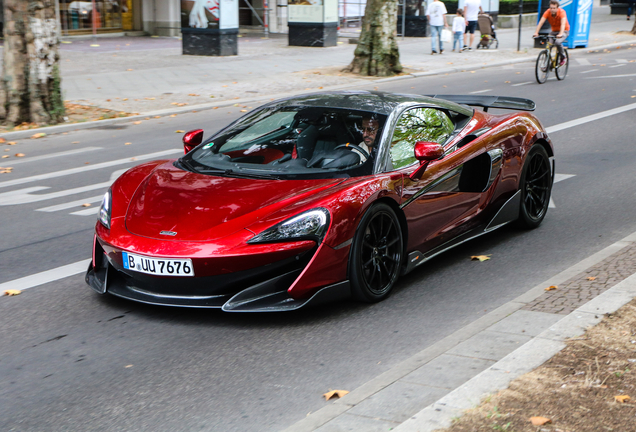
<point>377,53</point>
<point>634,26</point>
<point>30,90</point>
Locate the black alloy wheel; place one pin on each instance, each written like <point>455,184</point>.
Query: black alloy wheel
<point>562,71</point>
<point>542,67</point>
<point>376,254</point>
<point>535,187</point>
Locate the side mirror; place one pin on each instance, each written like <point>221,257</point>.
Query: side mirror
<point>192,139</point>
<point>425,152</point>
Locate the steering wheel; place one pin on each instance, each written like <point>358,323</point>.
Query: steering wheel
<point>364,155</point>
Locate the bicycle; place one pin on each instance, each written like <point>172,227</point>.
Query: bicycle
<point>549,59</point>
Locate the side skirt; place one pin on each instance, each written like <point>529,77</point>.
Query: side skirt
<point>509,212</point>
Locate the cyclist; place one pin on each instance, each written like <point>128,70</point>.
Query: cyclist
<point>560,26</point>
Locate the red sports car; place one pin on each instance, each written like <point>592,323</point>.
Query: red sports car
<point>320,197</point>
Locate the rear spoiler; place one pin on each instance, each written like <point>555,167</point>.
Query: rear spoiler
<point>501,102</point>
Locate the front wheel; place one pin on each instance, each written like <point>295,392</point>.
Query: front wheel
<point>542,67</point>
<point>376,254</point>
<point>562,71</point>
<point>535,187</point>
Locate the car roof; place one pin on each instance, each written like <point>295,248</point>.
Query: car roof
<point>374,101</point>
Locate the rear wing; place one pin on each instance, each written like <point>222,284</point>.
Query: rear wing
<point>501,102</point>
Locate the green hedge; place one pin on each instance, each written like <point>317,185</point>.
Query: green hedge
<point>512,7</point>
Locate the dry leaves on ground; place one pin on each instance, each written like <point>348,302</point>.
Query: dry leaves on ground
<point>480,258</point>
<point>551,288</point>
<point>12,292</point>
<point>335,394</point>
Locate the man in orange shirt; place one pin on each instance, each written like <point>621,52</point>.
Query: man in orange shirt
<point>560,26</point>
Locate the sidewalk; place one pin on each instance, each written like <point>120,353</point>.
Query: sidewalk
<point>152,74</point>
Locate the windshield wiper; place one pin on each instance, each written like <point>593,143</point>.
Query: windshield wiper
<point>232,173</point>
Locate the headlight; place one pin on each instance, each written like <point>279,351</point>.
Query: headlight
<point>104,209</point>
<point>311,225</point>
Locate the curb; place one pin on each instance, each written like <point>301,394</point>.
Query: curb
<point>524,359</point>
<point>50,130</point>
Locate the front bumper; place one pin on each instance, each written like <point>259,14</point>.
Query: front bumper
<point>262,289</point>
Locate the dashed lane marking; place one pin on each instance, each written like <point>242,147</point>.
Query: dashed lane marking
<point>558,178</point>
<point>88,168</point>
<point>612,76</point>
<point>583,62</point>
<point>590,118</point>
<point>46,276</point>
<point>71,204</point>
<point>481,91</point>
<point>54,155</point>
<point>588,71</point>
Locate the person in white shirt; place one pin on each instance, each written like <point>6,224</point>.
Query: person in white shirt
<point>436,15</point>
<point>472,9</point>
<point>459,27</point>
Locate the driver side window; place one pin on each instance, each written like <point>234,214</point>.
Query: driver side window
<point>418,124</point>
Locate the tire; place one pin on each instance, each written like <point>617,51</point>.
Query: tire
<point>376,254</point>
<point>562,71</point>
<point>535,187</point>
<point>542,67</point>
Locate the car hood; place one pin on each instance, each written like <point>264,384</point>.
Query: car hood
<point>195,207</point>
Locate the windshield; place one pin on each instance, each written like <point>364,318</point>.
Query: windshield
<point>292,142</point>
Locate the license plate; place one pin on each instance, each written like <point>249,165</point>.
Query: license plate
<point>158,266</point>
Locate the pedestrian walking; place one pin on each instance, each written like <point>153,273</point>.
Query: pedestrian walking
<point>630,8</point>
<point>436,16</point>
<point>459,27</point>
<point>472,9</point>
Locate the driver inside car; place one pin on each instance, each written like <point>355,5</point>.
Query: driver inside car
<point>370,127</point>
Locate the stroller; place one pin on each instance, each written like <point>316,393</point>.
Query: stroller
<point>487,30</point>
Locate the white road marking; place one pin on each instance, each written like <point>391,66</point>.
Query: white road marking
<point>615,66</point>
<point>558,178</point>
<point>86,212</point>
<point>613,76</point>
<point>25,196</point>
<point>621,61</point>
<point>53,155</point>
<point>71,204</point>
<point>520,84</point>
<point>590,118</point>
<point>46,276</point>
<point>588,71</point>
<point>583,62</point>
<point>88,168</point>
<point>481,91</point>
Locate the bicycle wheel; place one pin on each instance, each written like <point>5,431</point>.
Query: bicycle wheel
<point>562,71</point>
<point>542,67</point>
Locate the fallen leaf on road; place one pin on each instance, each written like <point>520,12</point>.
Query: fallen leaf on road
<point>128,70</point>
<point>507,82</point>
<point>150,98</point>
<point>157,116</point>
<point>551,288</point>
<point>38,135</point>
<point>19,155</point>
<point>480,257</point>
<point>5,156</point>
<point>243,110</point>
<point>125,99</point>
<point>133,159</point>
<point>2,140</point>
<point>11,143</point>
<point>127,143</point>
<point>182,104</point>
<point>128,366</point>
<point>12,292</point>
<point>179,131</point>
<point>215,108</point>
<point>86,205</point>
<point>335,394</point>
<point>193,94</point>
<point>539,421</point>
<point>173,115</point>
<point>137,122</point>
<point>622,398</point>
<point>591,278</point>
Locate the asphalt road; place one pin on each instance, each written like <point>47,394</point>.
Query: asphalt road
<point>71,360</point>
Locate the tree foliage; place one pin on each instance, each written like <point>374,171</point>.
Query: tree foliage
<point>377,53</point>
<point>30,90</point>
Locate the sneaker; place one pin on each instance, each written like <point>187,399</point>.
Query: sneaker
<point>469,49</point>
<point>562,62</point>
<point>441,51</point>
<point>433,52</point>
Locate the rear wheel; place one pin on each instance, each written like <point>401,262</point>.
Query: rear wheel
<point>376,254</point>
<point>535,187</point>
<point>542,67</point>
<point>562,71</point>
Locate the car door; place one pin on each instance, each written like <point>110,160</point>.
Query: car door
<point>440,204</point>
